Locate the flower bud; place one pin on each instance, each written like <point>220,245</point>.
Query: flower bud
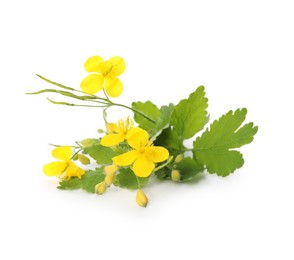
<point>141,198</point>
<point>110,169</point>
<point>100,188</point>
<point>175,175</point>
<point>179,158</point>
<point>110,178</point>
<point>84,159</point>
<point>100,131</point>
<point>88,142</point>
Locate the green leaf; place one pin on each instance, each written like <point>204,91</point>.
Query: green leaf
<point>102,154</point>
<point>214,147</point>
<point>160,117</point>
<point>163,173</point>
<point>127,179</point>
<point>190,115</point>
<point>87,182</point>
<point>189,168</point>
<point>148,109</point>
<point>170,140</point>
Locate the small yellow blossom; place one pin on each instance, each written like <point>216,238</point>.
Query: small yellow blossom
<point>103,75</point>
<point>143,156</point>
<point>65,169</point>
<point>141,198</point>
<point>123,130</point>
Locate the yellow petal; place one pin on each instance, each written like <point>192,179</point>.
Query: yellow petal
<point>113,86</point>
<point>112,139</point>
<point>137,138</point>
<point>143,167</point>
<point>125,159</point>
<point>115,66</point>
<point>74,171</point>
<point>54,168</point>
<point>62,153</point>
<point>157,153</point>
<point>95,64</point>
<point>92,83</point>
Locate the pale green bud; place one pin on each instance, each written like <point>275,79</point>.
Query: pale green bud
<point>84,159</point>
<point>179,158</point>
<point>176,175</point>
<point>88,142</point>
<point>141,198</point>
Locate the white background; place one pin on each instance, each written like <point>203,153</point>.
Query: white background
<point>242,51</point>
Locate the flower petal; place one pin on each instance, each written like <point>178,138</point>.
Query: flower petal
<point>92,83</point>
<point>115,66</point>
<point>112,139</point>
<point>113,86</point>
<point>143,166</point>
<point>74,171</point>
<point>112,128</point>
<point>157,154</point>
<point>62,153</point>
<point>137,138</point>
<point>95,64</point>
<point>54,168</point>
<point>125,159</point>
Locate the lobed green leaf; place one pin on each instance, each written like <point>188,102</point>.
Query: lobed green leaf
<point>190,115</point>
<point>213,148</point>
<point>87,182</point>
<point>128,180</point>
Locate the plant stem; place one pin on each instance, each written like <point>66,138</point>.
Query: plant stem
<point>139,185</point>
<point>134,110</point>
<point>163,165</point>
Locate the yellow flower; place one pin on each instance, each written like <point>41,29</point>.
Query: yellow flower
<point>64,168</point>
<point>123,130</point>
<point>103,75</point>
<point>143,156</point>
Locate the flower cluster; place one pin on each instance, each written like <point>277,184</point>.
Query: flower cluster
<point>154,142</point>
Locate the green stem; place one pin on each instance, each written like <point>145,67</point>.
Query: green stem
<point>134,110</point>
<point>163,165</point>
<point>75,154</point>
<point>139,185</point>
<point>71,104</point>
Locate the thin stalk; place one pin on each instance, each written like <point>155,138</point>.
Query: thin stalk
<point>163,165</point>
<point>134,110</point>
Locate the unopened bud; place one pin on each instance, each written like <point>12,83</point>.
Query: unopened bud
<point>100,188</point>
<point>100,131</point>
<point>110,169</point>
<point>88,142</point>
<point>179,158</point>
<point>141,198</point>
<point>175,175</point>
<point>83,159</point>
<point>109,178</point>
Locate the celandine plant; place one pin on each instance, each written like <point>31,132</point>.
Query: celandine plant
<point>152,142</point>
